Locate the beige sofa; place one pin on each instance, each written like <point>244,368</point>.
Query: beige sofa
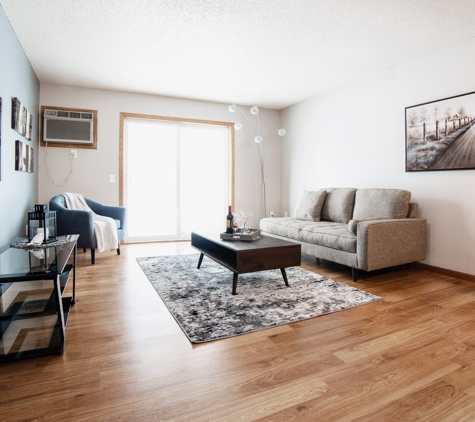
<point>365,229</point>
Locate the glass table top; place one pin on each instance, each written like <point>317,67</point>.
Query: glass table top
<point>15,262</point>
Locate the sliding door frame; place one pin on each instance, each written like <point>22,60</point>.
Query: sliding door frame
<point>124,116</point>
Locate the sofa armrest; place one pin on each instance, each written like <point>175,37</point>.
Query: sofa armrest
<point>390,242</point>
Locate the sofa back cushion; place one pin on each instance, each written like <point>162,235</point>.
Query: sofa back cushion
<point>383,203</point>
<point>413,210</point>
<point>338,205</point>
<point>310,205</point>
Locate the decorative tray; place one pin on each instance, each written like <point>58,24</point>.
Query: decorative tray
<point>252,235</point>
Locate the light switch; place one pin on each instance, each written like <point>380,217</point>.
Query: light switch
<point>112,178</point>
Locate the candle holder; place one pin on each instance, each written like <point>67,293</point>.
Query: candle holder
<point>42,220</point>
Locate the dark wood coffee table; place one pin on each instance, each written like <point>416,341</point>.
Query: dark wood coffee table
<point>266,253</point>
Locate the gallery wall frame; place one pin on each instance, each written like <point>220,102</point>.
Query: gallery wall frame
<point>22,120</point>
<point>24,157</point>
<point>440,135</point>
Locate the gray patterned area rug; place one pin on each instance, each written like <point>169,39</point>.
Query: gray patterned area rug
<point>202,304</point>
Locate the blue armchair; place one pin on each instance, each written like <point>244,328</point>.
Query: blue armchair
<point>80,222</point>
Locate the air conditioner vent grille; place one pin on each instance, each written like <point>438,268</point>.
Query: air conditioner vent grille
<point>68,130</point>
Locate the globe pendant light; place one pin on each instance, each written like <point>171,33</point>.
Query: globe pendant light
<point>261,144</point>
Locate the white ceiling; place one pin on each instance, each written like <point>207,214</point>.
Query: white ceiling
<point>272,53</point>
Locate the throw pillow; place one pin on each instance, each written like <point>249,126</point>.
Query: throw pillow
<point>338,205</point>
<point>310,205</point>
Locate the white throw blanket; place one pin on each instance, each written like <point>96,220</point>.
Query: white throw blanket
<point>105,228</point>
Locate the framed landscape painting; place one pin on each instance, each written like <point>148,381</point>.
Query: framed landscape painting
<point>440,135</point>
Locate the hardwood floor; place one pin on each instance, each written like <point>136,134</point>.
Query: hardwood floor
<point>408,357</point>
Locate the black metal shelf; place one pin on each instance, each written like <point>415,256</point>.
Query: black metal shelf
<point>55,344</point>
<point>20,311</point>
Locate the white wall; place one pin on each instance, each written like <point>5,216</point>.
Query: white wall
<point>355,137</point>
<point>18,189</point>
<point>92,168</point>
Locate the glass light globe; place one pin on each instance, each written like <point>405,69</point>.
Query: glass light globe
<point>281,132</point>
<point>238,126</point>
<point>254,110</point>
<point>232,108</point>
<point>258,139</point>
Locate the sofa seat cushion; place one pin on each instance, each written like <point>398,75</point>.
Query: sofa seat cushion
<point>322,233</point>
<point>330,235</point>
<point>287,227</point>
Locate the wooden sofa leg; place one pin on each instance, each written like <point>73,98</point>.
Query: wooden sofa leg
<point>93,256</point>
<point>354,274</point>
<point>84,250</point>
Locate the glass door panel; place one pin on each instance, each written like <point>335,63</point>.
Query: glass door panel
<point>177,178</point>
<point>151,199</point>
<point>204,178</point>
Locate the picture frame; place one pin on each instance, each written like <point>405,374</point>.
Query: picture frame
<point>22,120</point>
<point>24,157</point>
<point>440,135</point>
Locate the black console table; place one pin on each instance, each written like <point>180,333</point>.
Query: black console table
<point>33,309</point>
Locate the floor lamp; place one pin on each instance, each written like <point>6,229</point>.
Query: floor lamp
<point>261,145</point>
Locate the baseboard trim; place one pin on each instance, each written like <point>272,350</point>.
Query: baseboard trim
<point>444,271</point>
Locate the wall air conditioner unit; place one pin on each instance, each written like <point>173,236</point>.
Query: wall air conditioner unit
<point>68,126</point>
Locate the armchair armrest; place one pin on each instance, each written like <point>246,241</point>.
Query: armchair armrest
<point>117,213</point>
<point>390,242</point>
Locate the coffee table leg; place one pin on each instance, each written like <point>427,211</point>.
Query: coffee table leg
<point>282,270</point>
<point>200,260</point>
<point>235,277</point>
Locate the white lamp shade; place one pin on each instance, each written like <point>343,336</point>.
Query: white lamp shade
<point>258,139</point>
<point>254,110</point>
<point>232,108</point>
<point>238,126</point>
<point>281,132</point>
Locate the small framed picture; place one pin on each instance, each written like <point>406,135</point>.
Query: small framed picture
<point>22,121</point>
<point>24,157</point>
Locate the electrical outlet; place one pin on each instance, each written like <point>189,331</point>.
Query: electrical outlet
<point>272,213</point>
<point>74,153</point>
<point>112,178</point>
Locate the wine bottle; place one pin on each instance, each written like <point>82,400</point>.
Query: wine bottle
<point>229,221</point>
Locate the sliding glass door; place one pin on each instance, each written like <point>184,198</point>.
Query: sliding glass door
<point>177,178</point>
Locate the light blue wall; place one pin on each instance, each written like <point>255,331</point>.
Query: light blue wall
<point>18,190</point>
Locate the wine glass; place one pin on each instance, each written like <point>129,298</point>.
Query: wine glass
<point>235,226</point>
